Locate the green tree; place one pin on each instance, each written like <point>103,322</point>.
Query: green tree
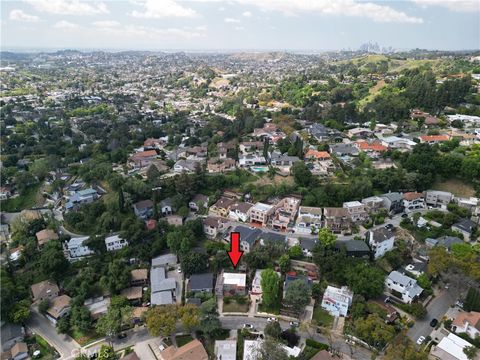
<point>63,325</point>
<point>270,282</point>
<point>117,276</point>
<point>43,306</point>
<point>80,317</point>
<point>119,313</point>
<point>52,261</point>
<point>107,353</point>
<point>189,316</point>
<point>194,263</point>
<point>284,263</point>
<point>297,295</point>
<point>209,323</point>
<point>161,320</point>
<point>365,280</point>
<point>20,312</point>
<point>374,331</point>
<point>326,238</point>
<point>295,252</point>
<point>470,351</point>
<point>301,174</point>
<point>270,350</point>
<point>273,329</point>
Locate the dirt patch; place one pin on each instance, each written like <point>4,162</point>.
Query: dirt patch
<point>277,180</point>
<point>456,187</point>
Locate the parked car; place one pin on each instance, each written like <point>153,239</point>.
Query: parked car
<point>248,326</point>
<point>434,322</point>
<point>294,324</point>
<point>389,226</point>
<point>272,319</point>
<point>404,216</point>
<point>122,336</point>
<point>420,340</point>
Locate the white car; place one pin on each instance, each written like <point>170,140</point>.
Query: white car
<point>271,319</point>
<point>420,340</point>
<point>294,324</point>
<point>248,326</point>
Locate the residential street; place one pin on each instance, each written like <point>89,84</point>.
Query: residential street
<point>64,344</point>
<point>356,352</point>
<point>436,309</point>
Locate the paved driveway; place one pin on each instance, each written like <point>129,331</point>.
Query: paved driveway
<point>435,310</point>
<point>64,344</point>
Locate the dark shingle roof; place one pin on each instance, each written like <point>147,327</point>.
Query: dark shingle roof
<point>247,234</point>
<point>201,281</point>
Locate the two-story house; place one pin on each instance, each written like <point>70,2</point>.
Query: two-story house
<point>381,241</point>
<point>356,211</point>
<point>337,301</point>
<point>115,242</point>
<point>403,287</point>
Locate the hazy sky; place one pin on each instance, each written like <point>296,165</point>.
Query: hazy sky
<point>240,24</point>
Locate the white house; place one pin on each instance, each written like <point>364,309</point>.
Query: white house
<point>239,211</point>
<point>309,220</point>
<point>451,348</point>
<point>413,201</point>
<point>115,242</point>
<point>337,300</point>
<point>467,322</point>
<point>251,159</point>
<point>381,241</point>
<point>407,287</point>
<point>74,248</point>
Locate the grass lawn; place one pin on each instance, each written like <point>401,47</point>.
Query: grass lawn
<point>322,317</point>
<point>273,310</point>
<point>46,351</point>
<point>234,306</point>
<point>25,201</point>
<point>84,338</point>
<point>183,339</point>
<point>456,187</point>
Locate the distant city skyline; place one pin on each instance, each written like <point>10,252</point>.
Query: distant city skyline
<point>247,25</point>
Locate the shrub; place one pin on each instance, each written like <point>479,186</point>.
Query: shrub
<point>316,344</point>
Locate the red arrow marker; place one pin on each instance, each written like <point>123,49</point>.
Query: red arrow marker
<point>235,253</point>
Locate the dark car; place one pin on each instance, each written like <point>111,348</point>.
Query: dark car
<point>122,336</point>
<point>434,322</point>
<point>404,216</point>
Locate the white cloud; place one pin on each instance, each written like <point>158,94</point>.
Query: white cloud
<point>63,24</point>
<point>117,29</point>
<point>247,14</point>
<point>106,24</point>
<point>239,28</point>
<point>19,15</point>
<point>376,12</point>
<point>156,9</point>
<point>231,20</point>
<point>69,7</point>
<point>454,5</point>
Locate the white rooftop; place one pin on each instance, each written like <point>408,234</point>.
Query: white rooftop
<point>262,207</point>
<point>454,345</point>
<point>352,204</point>
<point>234,279</point>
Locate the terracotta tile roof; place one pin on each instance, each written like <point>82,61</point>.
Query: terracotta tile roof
<point>148,153</point>
<point>472,317</point>
<point>434,137</point>
<point>317,154</point>
<point>412,196</point>
<point>365,146</point>
<point>194,350</point>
